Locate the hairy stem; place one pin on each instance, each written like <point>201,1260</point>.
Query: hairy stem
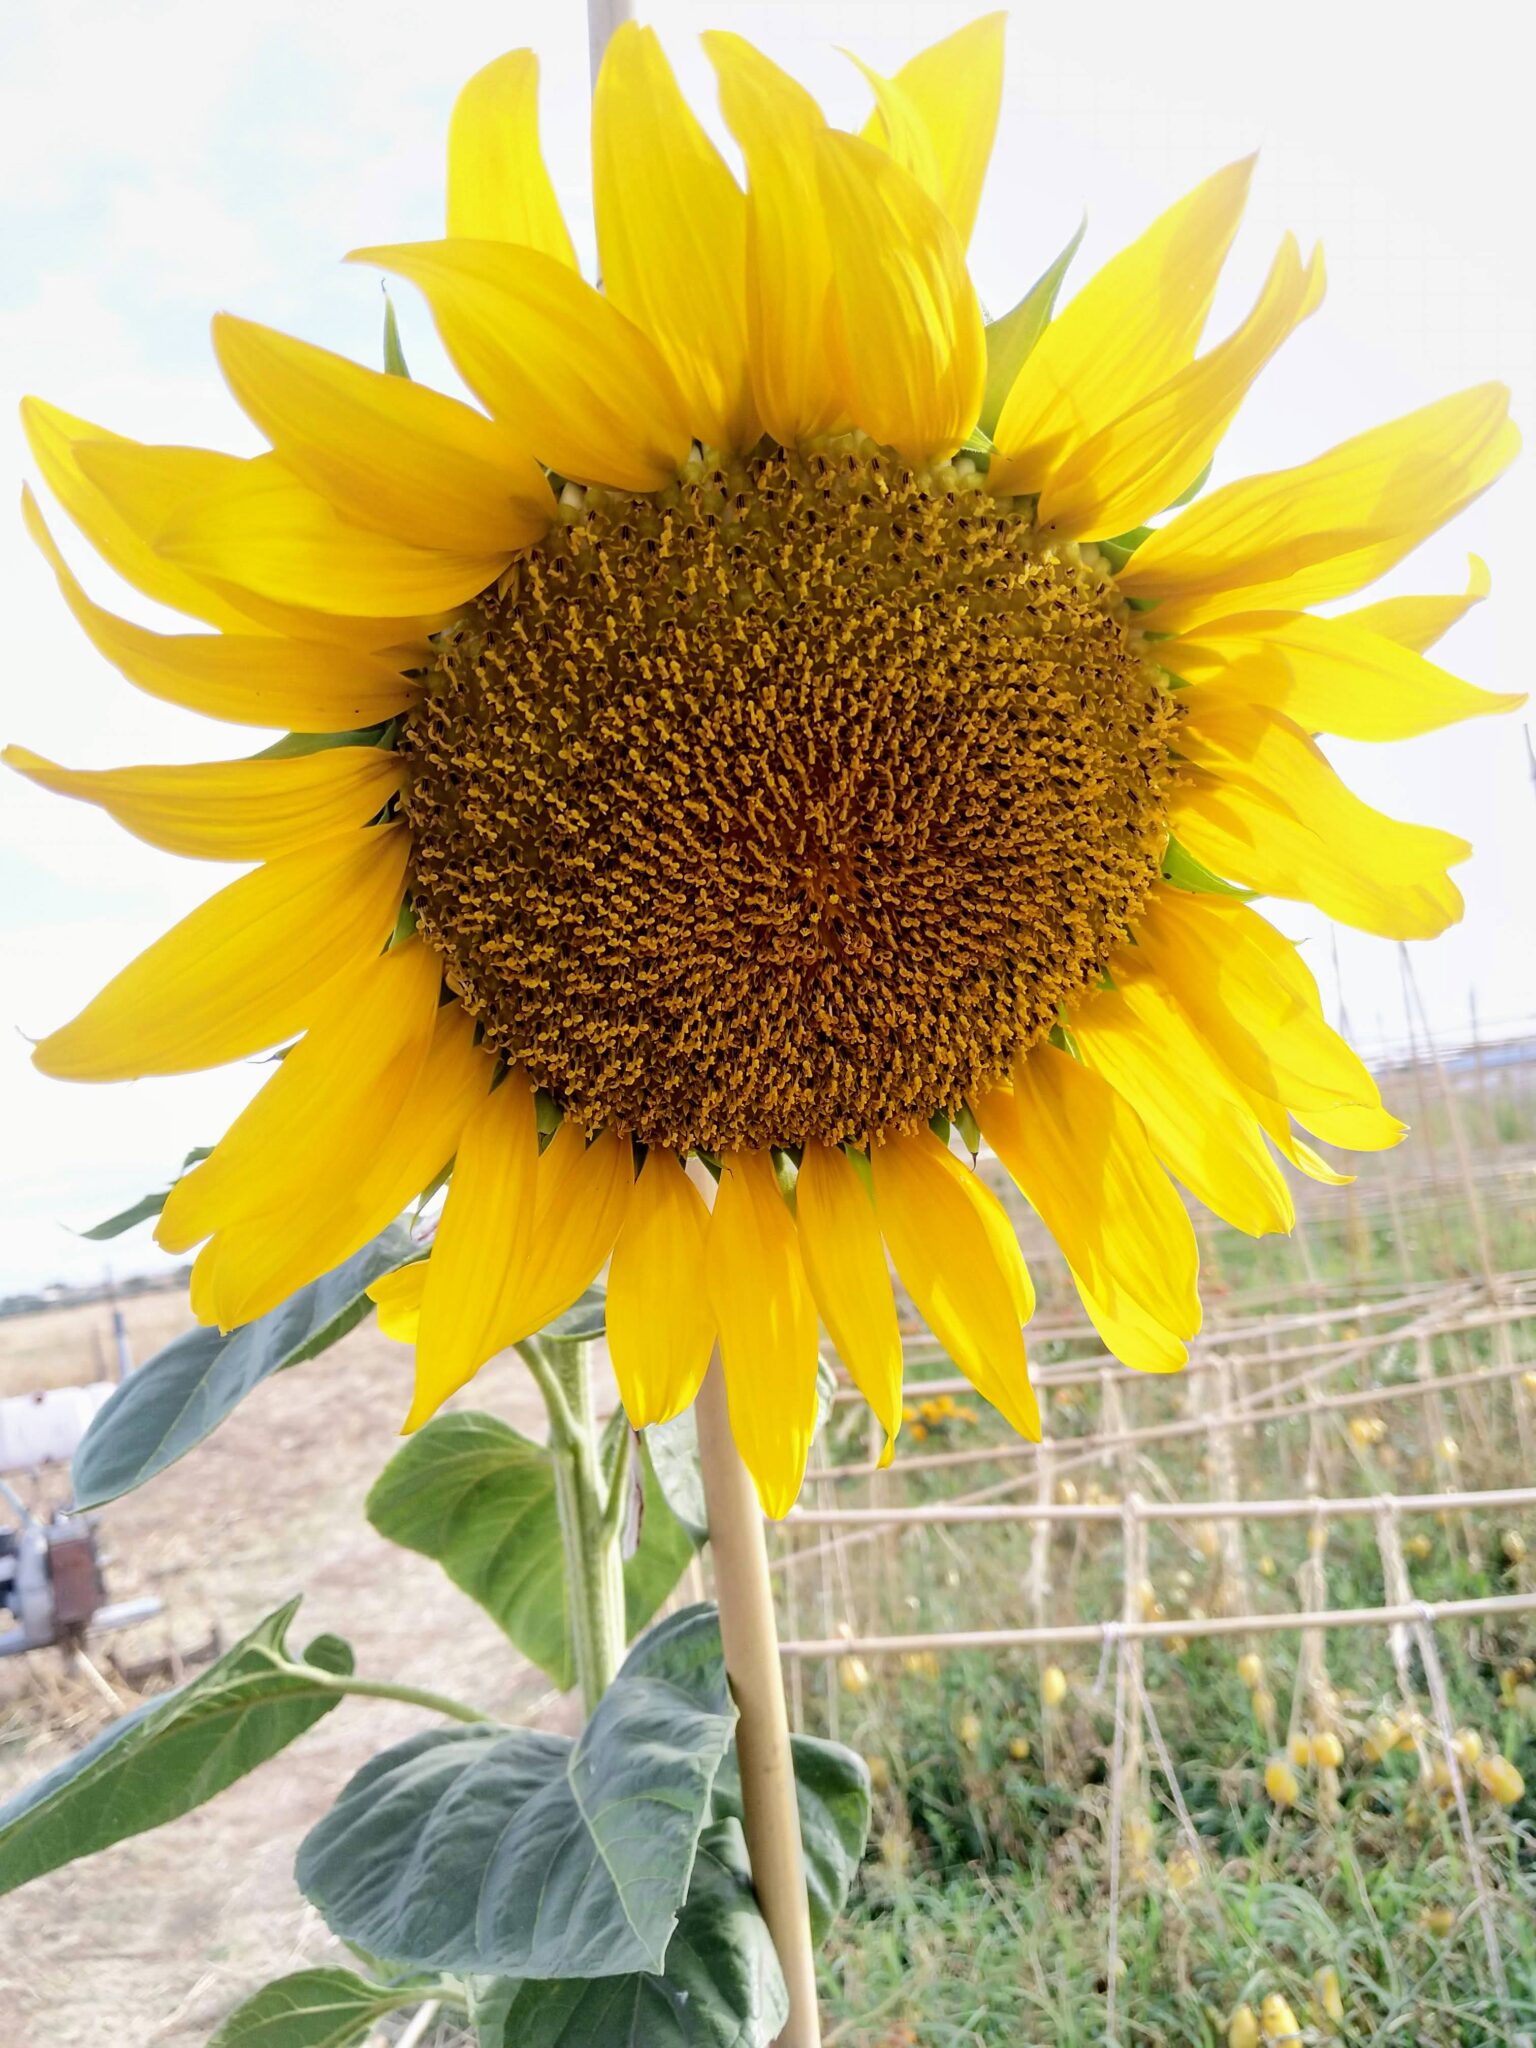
<point>594,1569</point>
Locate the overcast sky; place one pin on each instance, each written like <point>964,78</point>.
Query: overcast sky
<point>161,159</point>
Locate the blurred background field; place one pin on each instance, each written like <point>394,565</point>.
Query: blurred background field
<point>1074,1841</point>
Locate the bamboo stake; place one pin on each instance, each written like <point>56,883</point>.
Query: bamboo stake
<point>770,1815</point>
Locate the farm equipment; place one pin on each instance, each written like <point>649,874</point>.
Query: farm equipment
<point>51,1581</point>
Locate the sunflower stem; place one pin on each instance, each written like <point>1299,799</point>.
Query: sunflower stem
<point>594,1568</point>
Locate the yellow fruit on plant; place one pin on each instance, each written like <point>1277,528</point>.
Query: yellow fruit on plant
<point>1437,1920</point>
<point>1330,1997</point>
<point>920,1664</point>
<point>1381,1737</point>
<point>1528,1381</point>
<point>1138,1837</point>
<point>1243,2028</point>
<point>1053,1685</point>
<point>1066,1492</point>
<point>1300,1749</point>
<point>853,1674</point>
<point>1263,1704</point>
<point>969,1730</point>
<point>1468,1745</point>
<point>1250,1669</point>
<point>1280,1782</point>
<point>1267,1570</point>
<point>1512,1543</point>
<point>1018,1748</point>
<point>1500,1780</point>
<point>1449,1449</point>
<point>1205,1538</point>
<point>879,1772</point>
<point>1327,1752</point>
<point>1277,2020</point>
<point>1183,1869</point>
<point>1418,1547</point>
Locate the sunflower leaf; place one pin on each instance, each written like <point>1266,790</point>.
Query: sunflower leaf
<point>519,1853</point>
<point>832,1789</point>
<point>171,1754</point>
<point>721,1988</point>
<point>181,1395</point>
<point>316,2009</point>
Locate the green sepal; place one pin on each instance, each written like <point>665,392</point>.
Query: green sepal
<point>293,743</point>
<point>1182,871</point>
<point>394,354</point>
<point>1012,336</point>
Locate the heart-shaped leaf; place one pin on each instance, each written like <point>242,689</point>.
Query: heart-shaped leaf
<point>516,1853</point>
<point>315,2009</point>
<point>471,1493</point>
<point>171,1754</point>
<point>182,1394</point>
<point>721,1988</point>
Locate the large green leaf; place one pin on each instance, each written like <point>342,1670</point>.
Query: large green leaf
<point>171,1754</point>
<point>479,1499</point>
<point>516,1853</point>
<point>182,1394</point>
<point>315,2009</point>
<point>1011,337</point>
<point>832,1787</point>
<point>721,1988</point>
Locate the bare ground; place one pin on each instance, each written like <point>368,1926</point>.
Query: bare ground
<point>154,1940</point>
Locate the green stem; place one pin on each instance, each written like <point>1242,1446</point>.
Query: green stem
<point>383,1689</point>
<point>594,1569</point>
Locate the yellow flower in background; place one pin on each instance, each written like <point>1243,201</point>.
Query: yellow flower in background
<point>767,728</point>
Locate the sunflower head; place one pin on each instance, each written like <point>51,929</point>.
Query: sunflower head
<point>774,722</point>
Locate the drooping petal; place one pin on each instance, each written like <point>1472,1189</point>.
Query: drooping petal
<point>498,187</point>
<point>1136,322</point>
<point>906,330</point>
<point>1264,808</point>
<point>323,1107</point>
<point>246,678</point>
<point>661,1329</point>
<point>262,530</point>
<point>672,235</point>
<point>943,1248</point>
<point>231,810</point>
<point>789,259</point>
<point>583,1197</point>
<point>1252,999</point>
<point>1136,466</point>
<point>1297,536</point>
<point>1200,1127</point>
<point>1082,1158</point>
<point>242,971</point>
<point>1330,675</point>
<point>845,1263</point>
<point>767,1321</point>
<point>398,1296</point>
<point>258,1261</point>
<point>579,384</point>
<point>481,1246</point>
<point>55,438</point>
<point>389,454</point>
<point>938,115</point>
<point>1418,622</point>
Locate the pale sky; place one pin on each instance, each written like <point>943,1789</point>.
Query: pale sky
<point>162,159</point>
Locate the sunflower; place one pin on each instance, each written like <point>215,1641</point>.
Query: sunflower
<point>764,740</point>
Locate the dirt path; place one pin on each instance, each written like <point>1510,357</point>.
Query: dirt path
<point>153,1941</point>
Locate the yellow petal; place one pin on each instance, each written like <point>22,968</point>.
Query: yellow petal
<point>258,1261</point>
<point>672,235</point>
<point>944,1250</point>
<point>262,530</point>
<point>583,1198</point>
<point>55,438</point>
<point>301,1136</point>
<point>1200,1127</point>
<point>1418,622</point>
<point>1297,536</point>
<point>241,973</point>
<point>1329,675</point>
<point>1079,1153</point>
<point>1136,466</point>
<point>577,382</point>
<point>1356,1126</point>
<point>1252,999</point>
<point>789,260</point>
<point>939,115</point>
<point>498,187</point>
<point>1264,808</point>
<point>845,1263</point>
<point>246,678</point>
<point>1135,323</point>
<point>481,1246</point>
<point>398,1296</point>
<point>388,453</point>
<point>906,332</point>
<point>767,1320</point>
<point>231,810</point>
<point>660,1329</point>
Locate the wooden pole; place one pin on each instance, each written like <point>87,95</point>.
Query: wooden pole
<point>770,1814</point>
